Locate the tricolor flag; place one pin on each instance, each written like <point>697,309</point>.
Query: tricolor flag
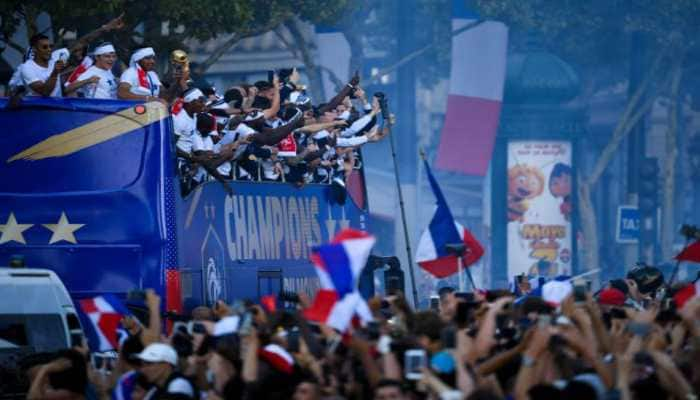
<point>476,91</point>
<point>84,65</point>
<point>686,294</point>
<point>432,253</point>
<point>338,265</point>
<point>104,314</point>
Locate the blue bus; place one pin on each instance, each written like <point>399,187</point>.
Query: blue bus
<point>88,189</point>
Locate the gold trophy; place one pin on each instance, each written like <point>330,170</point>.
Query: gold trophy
<point>180,61</point>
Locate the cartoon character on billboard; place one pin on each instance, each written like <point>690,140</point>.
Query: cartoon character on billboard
<point>560,186</point>
<point>546,254</point>
<point>524,183</point>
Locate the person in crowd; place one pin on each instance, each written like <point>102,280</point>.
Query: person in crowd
<point>102,83</point>
<point>159,367</point>
<point>140,81</point>
<point>40,73</point>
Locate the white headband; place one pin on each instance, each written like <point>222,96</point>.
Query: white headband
<point>104,49</point>
<point>141,54</point>
<point>193,95</point>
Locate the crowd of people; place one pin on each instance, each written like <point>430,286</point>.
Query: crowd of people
<point>267,130</point>
<point>635,339</point>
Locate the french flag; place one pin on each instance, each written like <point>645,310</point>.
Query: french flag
<point>104,314</point>
<point>686,294</point>
<point>338,266</point>
<point>475,94</point>
<point>432,253</point>
<point>84,65</point>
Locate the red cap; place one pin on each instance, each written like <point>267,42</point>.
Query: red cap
<point>611,297</point>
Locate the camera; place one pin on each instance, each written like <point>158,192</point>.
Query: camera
<point>383,104</point>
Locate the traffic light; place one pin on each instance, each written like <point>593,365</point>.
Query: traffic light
<point>648,185</point>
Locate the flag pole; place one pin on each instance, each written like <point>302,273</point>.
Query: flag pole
<point>403,216</point>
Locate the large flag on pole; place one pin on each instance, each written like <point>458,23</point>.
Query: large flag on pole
<point>432,253</point>
<point>690,253</point>
<point>475,94</point>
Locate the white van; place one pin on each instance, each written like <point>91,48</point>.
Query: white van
<point>36,316</point>
<point>36,312</point>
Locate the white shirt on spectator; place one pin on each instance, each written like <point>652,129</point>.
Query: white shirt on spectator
<point>201,143</point>
<point>351,142</point>
<point>184,127</point>
<point>131,77</point>
<point>32,72</point>
<point>106,88</point>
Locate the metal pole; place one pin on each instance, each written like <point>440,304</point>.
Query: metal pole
<point>678,263</point>
<point>460,267</point>
<point>403,219</point>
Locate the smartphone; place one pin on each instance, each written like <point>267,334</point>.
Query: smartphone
<point>466,296</point>
<point>463,313</point>
<point>579,294</point>
<point>414,362</point>
<point>637,328</point>
<point>293,341</point>
<point>136,295</point>
<point>448,337</point>
<point>246,324</point>
<point>434,302</point>
<point>198,327</point>
<point>618,313</point>
<point>270,76</point>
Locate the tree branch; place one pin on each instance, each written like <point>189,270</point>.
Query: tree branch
<point>626,121</point>
<point>414,54</point>
<point>216,54</point>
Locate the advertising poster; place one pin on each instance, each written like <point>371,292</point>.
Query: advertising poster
<point>540,208</point>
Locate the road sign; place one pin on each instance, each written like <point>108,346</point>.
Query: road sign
<point>627,229</point>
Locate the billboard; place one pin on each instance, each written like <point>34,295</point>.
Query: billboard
<point>539,201</point>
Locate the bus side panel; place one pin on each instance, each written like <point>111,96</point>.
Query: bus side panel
<point>257,241</point>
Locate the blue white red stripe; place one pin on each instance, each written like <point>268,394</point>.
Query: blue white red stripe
<point>432,254</point>
<point>104,314</point>
<point>338,266</point>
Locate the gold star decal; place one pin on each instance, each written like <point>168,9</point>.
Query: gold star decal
<point>63,230</point>
<point>12,231</point>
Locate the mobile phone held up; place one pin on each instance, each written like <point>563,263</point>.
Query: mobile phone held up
<point>414,362</point>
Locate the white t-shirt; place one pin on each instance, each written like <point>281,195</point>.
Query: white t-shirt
<point>106,88</point>
<point>201,143</point>
<point>32,72</point>
<point>184,127</point>
<point>131,77</point>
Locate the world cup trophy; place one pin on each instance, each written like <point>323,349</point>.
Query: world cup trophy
<point>180,61</point>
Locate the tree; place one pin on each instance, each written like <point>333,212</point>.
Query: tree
<point>165,24</point>
<point>590,35</point>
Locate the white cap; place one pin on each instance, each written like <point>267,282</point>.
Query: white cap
<point>227,325</point>
<point>158,352</point>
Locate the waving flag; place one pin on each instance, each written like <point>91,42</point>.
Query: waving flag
<point>84,65</point>
<point>338,265</point>
<point>476,91</point>
<point>686,294</point>
<point>690,253</point>
<point>432,253</point>
<point>104,314</point>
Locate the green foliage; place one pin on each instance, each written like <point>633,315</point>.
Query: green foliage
<point>203,20</point>
<point>595,36</point>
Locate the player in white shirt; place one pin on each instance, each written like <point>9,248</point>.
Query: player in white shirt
<point>40,74</point>
<point>140,81</point>
<point>103,84</point>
